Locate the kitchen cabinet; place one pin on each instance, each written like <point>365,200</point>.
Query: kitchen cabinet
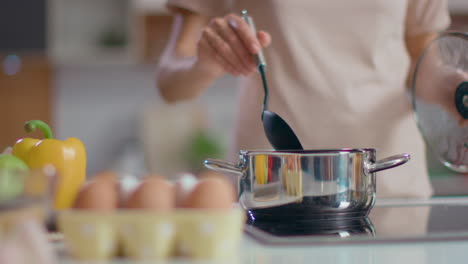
<point>25,94</point>
<point>23,28</point>
<point>25,72</point>
<point>152,28</point>
<point>459,22</point>
<point>154,35</point>
<point>77,31</point>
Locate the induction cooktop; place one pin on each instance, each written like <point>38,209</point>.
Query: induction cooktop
<point>386,223</point>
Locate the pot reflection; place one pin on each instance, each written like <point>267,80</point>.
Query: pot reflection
<point>292,176</point>
<point>401,221</point>
<point>277,175</point>
<point>335,228</point>
<point>385,223</point>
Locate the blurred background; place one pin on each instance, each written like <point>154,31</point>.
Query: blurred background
<point>87,68</point>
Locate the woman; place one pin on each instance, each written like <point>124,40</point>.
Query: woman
<point>337,71</point>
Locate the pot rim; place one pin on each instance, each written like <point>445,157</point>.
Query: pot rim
<point>306,151</point>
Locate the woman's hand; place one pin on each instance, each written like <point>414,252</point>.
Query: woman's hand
<point>437,81</point>
<point>448,101</point>
<point>227,45</point>
<point>438,86</point>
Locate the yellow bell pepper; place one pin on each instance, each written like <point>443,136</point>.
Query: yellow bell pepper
<point>68,157</point>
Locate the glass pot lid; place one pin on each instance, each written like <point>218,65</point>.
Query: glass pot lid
<point>440,99</point>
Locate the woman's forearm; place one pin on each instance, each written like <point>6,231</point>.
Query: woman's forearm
<point>183,78</point>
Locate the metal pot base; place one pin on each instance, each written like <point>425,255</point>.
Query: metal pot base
<point>305,216</point>
<point>313,227</point>
<point>315,209</point>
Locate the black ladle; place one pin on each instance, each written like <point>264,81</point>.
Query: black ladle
<point>278,132</point>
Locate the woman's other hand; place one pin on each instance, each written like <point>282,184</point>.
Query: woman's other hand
<point>457,78</point>
<point>227,45</point>
<point>437,81</point>
<point>438,86</point>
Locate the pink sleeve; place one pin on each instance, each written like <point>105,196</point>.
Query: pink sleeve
<point>205,7</point>
<point>425,16</point>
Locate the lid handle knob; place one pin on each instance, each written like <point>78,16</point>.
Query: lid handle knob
<point>461,99</point>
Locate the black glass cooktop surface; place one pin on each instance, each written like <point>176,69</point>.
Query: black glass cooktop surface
<point>385,223</point>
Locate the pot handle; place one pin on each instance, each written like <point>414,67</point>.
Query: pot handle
<point>223,166</point>
<point>388,163</point>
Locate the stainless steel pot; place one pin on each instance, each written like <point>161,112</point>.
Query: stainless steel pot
<point>309,184</point>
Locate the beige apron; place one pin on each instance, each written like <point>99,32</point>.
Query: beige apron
<point>336,72</point>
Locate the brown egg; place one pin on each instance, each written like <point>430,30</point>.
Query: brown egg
<point>183,186</point>
<point>97,195</point>
<point>211,193</point>
<point>109,175</point>
<point>153,193</point>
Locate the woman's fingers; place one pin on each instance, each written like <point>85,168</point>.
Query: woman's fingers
<point>206,49</point>
<point>223,49</point>
<point>245,33</point>
<point>230,37</point>
<point>230,43</point>
<point>264,38</point>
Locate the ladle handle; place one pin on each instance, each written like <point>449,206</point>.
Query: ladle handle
<point>260,58</point>
<point>261,63</point>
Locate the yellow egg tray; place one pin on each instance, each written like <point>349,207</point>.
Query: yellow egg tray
<point>143,235</point>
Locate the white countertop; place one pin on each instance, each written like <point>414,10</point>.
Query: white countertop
<point>422,253</point>
<point>414,253</point>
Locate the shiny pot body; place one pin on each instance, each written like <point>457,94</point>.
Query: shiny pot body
<point>308,184</point>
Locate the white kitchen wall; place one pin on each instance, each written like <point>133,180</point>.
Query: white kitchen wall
<point>101,106</point>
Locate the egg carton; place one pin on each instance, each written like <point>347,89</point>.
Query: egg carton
<point>11,217</point>
<point>144,235</point>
